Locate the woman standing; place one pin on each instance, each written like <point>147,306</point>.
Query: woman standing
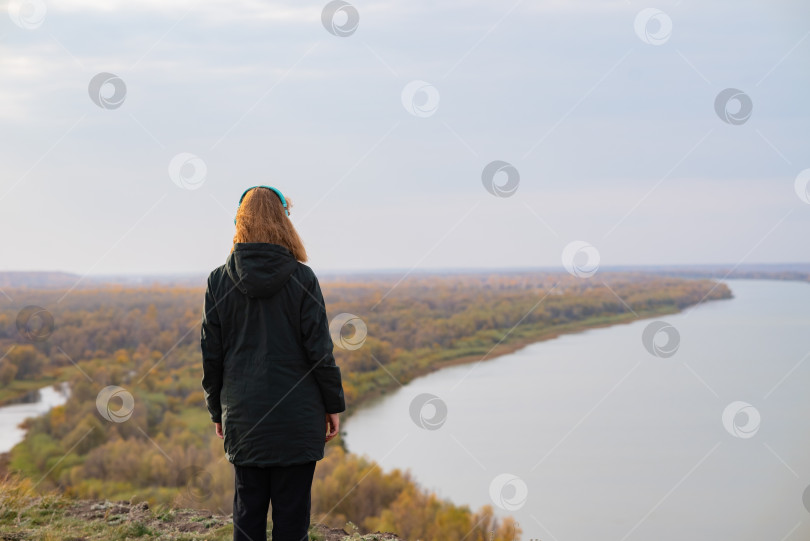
<point>270,380</point>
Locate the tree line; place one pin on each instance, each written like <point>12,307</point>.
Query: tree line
<point>145,340</point>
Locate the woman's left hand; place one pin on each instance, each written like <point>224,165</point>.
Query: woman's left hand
<point>218,427</point>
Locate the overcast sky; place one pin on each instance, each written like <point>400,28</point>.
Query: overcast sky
<point>605,114</point>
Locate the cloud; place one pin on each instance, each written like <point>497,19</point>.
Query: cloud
<point>261,91</point>
<point>219,11</point>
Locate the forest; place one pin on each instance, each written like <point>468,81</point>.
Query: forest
<point>146,341</point>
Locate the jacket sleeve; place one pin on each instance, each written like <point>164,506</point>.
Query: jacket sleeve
<point>318,347</point>
<point>211,346</point>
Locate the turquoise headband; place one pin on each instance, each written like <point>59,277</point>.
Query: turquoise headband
<point>278,193</point>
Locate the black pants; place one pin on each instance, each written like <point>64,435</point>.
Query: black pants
<point>288,487</point>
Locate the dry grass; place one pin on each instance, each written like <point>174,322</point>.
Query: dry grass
<point>26,514</point>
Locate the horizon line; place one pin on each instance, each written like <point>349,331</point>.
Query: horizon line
<point>431,270</point>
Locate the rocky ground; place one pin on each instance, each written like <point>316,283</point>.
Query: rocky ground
<point>56,518</point>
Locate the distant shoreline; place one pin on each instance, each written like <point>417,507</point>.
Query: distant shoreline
<point>53,280</point>
<point>514,342</point>
<point>511,345</point>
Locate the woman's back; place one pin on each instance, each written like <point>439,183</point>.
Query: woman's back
<point>270,380</point>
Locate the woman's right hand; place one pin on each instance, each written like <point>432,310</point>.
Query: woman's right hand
<point>332,425</point>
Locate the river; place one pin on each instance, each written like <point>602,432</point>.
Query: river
<point>592,437</point>
<point>32,405</point>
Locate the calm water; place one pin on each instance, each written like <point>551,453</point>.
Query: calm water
<point>613,443</point>
<point>35,404</point>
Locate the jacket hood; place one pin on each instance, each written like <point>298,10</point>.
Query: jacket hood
<point>260,269</point>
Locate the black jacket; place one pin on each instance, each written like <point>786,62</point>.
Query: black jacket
<point>268,371</point>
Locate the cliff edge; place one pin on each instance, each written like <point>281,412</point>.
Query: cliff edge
<point>25,516</point>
